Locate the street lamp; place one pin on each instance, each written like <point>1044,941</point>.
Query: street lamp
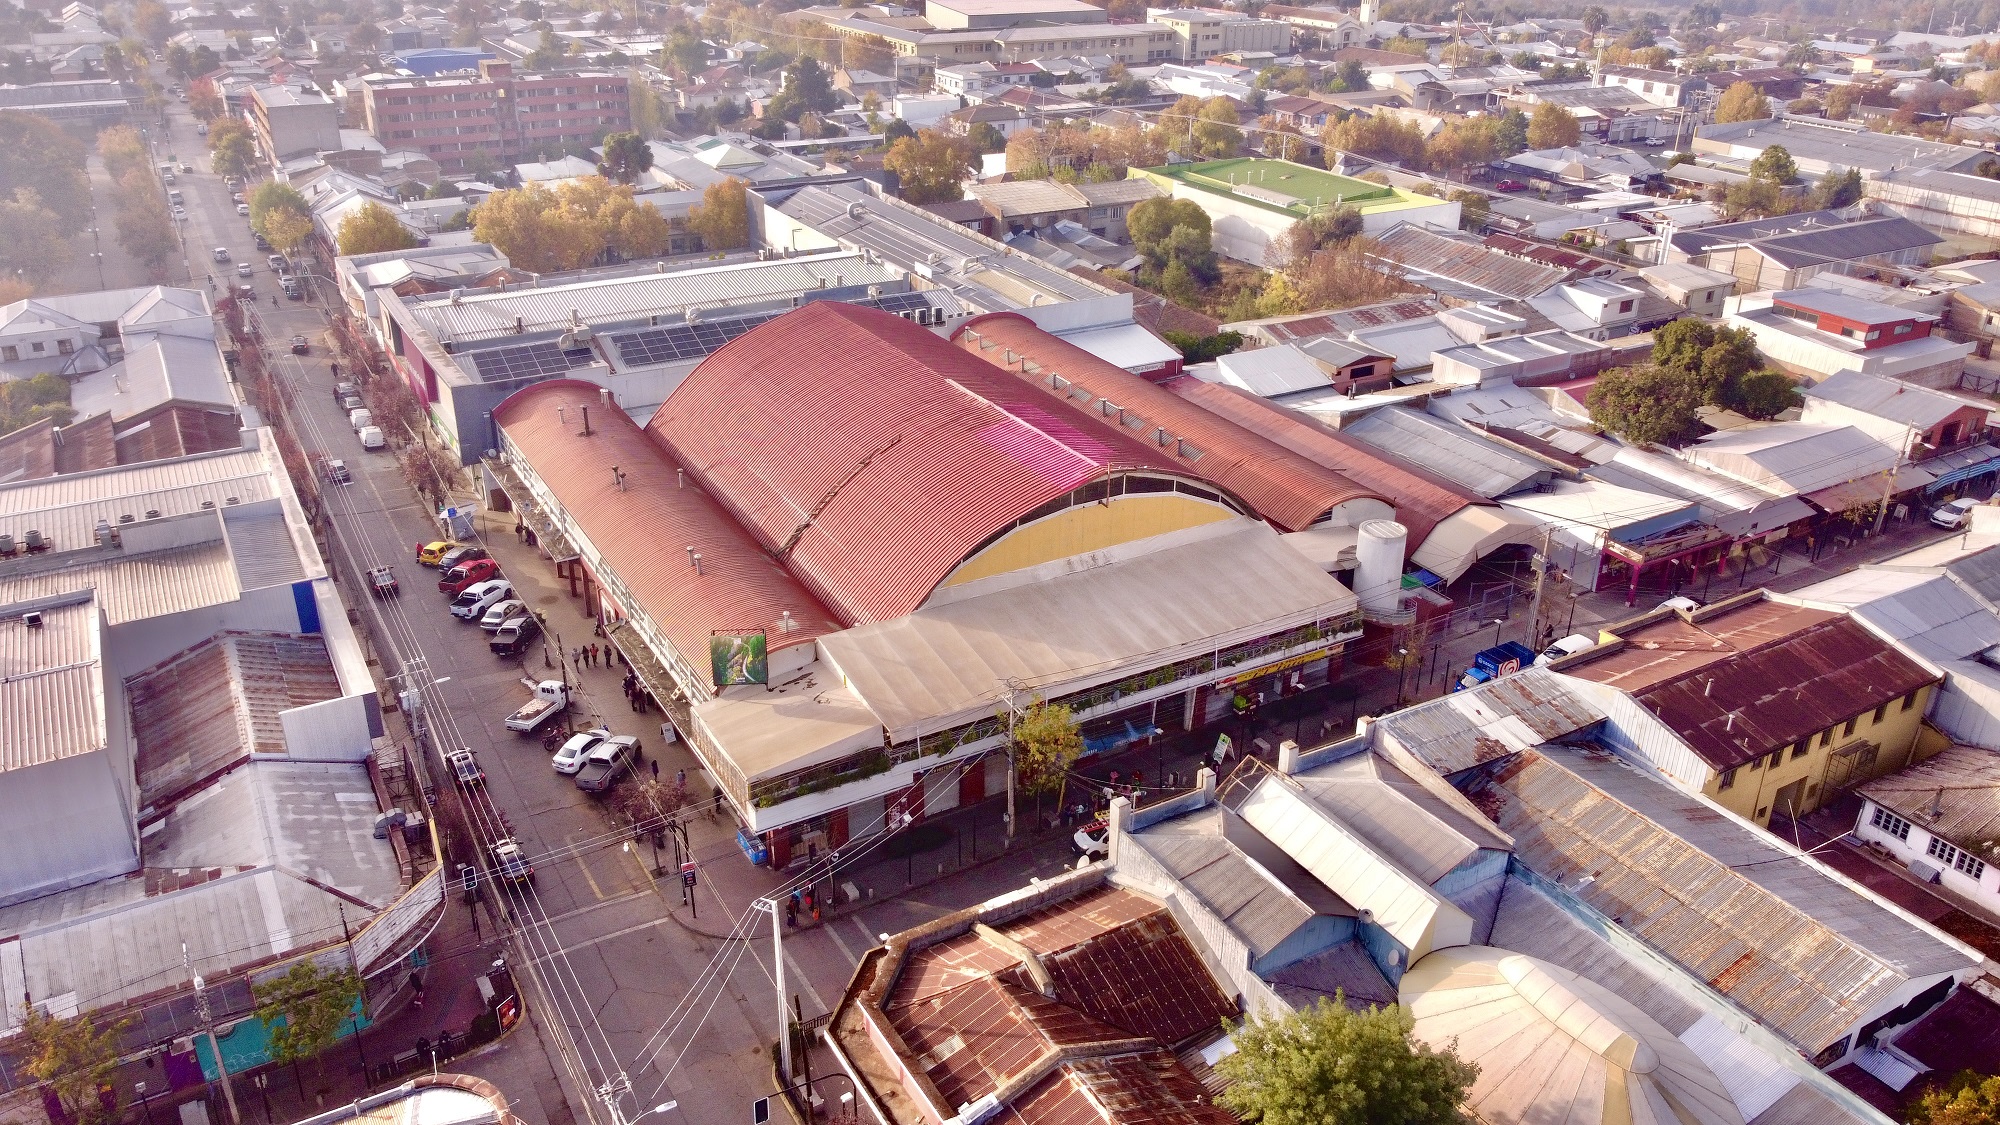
<point>139,1088</point>
<point>1402,669</point>
<point>1498,623</point>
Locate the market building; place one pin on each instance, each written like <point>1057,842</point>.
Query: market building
<point>887,546</point>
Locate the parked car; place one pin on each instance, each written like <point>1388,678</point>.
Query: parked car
<point>372,438</point>
<point>499,613</point>
<point>201,129</point>
<point>1684,604</point>
<point>220,253</point>
<point>275,261</point>
<point>342,391</point>
<point>360,417</point>
<point>465,767</point>
<point>243,208</point>
<point>336,472</point>
<point>186,167</point>
<point>1510,185</point>
<point>1954,515</point>
<point>457,578</point>
<point>514,634</point>
<point>1568,646</point>
<point>262,242</point>
<point>1093,839</point>
<point>243,269</point>
<point>551,698</point>
<point>166,175</point>
<point>235,197</point>
<point>382,582</point>
<point>569,756</point>
<point>610,760</point>
<point>472,603</point>
<point>510,863</point>
<point>293,291</point>
<point>458,554</point>
<point>351,403</point>
<point>431,553</point>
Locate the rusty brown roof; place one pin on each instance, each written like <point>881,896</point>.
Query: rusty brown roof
<point>1420,499</point>
<point>1284,487</point>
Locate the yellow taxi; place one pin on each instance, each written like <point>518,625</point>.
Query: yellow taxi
<point>428,554</point>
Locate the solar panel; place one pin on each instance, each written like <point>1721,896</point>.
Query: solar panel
<point>526,361</point>
<point>682,341</point>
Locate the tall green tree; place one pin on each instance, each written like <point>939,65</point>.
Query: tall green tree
<point>1741,102</point>
<point>1776,165</point>
<point>230,148</point>
<point>1836,190</point>
<point>304,1009</point>
<point>73,1057</point>
<point>1331,1065</point>
<point>626,157</point>
<point>1647,404</point>
<point>808,89</point>
<point>1715,356</point>
<point>1046,744</point>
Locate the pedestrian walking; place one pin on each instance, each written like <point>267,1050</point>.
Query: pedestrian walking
<point>593,655</point>
<point>417,986</point>
<point>681,778</point>
<point>656,769</point>
<point>717,810</point>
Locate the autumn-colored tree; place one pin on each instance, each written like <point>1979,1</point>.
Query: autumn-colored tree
<point>539,229</point>
<point>1552,126</point>
<point>286,230</point>
<point>1840,101</point>
<point>1343,276</point>
<point>931,166</point>
<point>722,218</point>
<point>1969,1098</point>
<point>1046,743</point>
<point>1378,138</point>
<point>205,101</point>
<point>1202,130</point>
<point>1464,142</point>
<point>373,229</point>
<point>231,150</point>
<point>75,1058</point>
<point>1742,102</point>
<point>122,150</point>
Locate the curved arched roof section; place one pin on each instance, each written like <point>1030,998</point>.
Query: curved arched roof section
<point>1289,490</point>
<point>641,531</point>
<point>871,457</point>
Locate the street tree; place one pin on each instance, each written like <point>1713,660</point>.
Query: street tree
<point>1331,1065</point>
<point>152,20</point>
<point>931,166</point>
<point>373,229</point>
<point>1552,126</point>
<point>270,198</point>
<point>626,157</point>
<point>1046,744</point>
<point>36,153</point>
<point>1765,394</point>
<point>1647,404</point>
<point>286,230</point>
<point>722,218</point>
<point>122,150</point>
<point>204,100</point>
<point>230,148</point>
<point>1836,190</point>
<point>34,246</point>
<point>303,1009</point>
<point>74,1057</point>
<point>1595,19</point>
<point>1742,102</point>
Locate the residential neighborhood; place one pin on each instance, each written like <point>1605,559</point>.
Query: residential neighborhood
<point>1158,560</point>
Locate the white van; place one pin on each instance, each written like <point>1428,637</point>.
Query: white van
<point>371,437</point>
<point>360,419</point>
<point>1568,646</point>
<point>472,602</point>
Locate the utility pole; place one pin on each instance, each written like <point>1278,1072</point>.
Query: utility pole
<point>1009,841</point>
<point>1541,565</point>
<point>778,959</point>
<point>208,1026</point>
<point>1889,476</point>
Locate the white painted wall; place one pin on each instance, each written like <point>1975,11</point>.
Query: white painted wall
<point>1984,890</point>
<point>66,826</point>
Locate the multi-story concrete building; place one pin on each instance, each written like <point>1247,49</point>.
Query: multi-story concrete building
<point>295,118</point>
<point>1203,33</point>
<point>497,112</point>
<point>96,101</point>
<point>965,15</point>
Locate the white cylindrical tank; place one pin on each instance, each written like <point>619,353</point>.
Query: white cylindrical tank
<point>1378,570</point>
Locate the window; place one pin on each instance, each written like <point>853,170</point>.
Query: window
<point>10,352</point>
<point>1624,306</point>
<point>1902,328</point>
<point>1848,730</point>
<point>40,347</point>
<point>1727,779</point>
<point>65,346</point>
<point>1777,756</point>
<point>1891,823</point>
<point>1756,763</point>
<point>1910,700</point>
<point>1801,748</point>
<point>1956,858</point>
<point>1764,812</point>
<point>1881,713</point>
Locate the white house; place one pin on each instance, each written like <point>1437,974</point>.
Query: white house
<point>1940,818</point>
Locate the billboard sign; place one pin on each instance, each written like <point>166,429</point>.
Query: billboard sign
<point>738,658</point>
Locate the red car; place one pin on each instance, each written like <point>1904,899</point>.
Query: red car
<point>1510,185</point>
<point>459,577</point>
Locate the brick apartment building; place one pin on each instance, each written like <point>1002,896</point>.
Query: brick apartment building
<point>503,114</point>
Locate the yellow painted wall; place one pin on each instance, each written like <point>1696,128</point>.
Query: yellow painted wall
<point>1088,527</point>
<point>1753,793</point>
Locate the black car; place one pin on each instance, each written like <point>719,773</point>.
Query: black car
<point>514,634</point>
<point>460,555</point>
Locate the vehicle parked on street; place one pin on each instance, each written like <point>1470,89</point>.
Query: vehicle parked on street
<point>167,177</point>
<point>343,390</point>
<point>235,197</point>
<point>382,582</point>
<point>275,261</point>
<point>175,198</point>
<point>243,208</point>
<point>336,472</point>
<point>220,253</point>
<point>610,760</point>
<point>300,346</point>
<point>501,612</point>
<point>1568,646</point>
<point>1954,515</point>
<point>457,578</point>
<point>360,418</point>
<point>351,403</point>
<point>186,167</point>
<point>514,634</point>
<point>1510,185</point>
<point>473,602</point>
<point>569,756</point>
<point>372,438</point>
<point>551,699</point>
<point>431,553</point>
<point>1503,659</point>
<point>510,863</point>
<point>201,130</point>
<point>465,767</point>
<point>458,554</point>
<point>243,269</point>
<point>1093,839</point>
<point>292,289</point>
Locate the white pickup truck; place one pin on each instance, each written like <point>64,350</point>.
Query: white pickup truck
<point>551,698</point>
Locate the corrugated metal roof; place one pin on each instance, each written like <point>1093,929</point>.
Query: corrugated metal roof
<point>1801,456</point>
<point>1495,719</point>
<point>1460,267</point>
<point>1804,954</point>
<point>260,542</point>
<point>1421,500</point>
<point>1421,830</point>
<point>1894,399</point>
<point>51,690</point>
<point>1242,878</point>
<point>66,509</point>
<point>1472,463</point>
<point>1954,794</point>
<point>871,457</point>
<point>134,589</point>
<point>639,531</point>
<point>1273,371</point>
<point>1869,238</point>
<point>1924,609</point>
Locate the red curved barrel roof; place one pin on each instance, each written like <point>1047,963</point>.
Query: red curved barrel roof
<point>871,456</point>
<point>1281,486</point>
<point>643,531</point>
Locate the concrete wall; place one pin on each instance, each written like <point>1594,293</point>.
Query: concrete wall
<point>66,826</point>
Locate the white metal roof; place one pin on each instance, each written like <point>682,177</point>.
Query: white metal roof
<point>1801,456</point>
<point>1269,372</point>
<point>1892,399</point>
<point>51,685</point>
<point>1597,505</point>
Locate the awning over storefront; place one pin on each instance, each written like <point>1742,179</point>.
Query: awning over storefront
<point>1962,464</point>
<point>1470,534</point>
<point>1865,491</point>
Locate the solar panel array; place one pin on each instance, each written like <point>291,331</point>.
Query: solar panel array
<point>529,361</point>
<point>682,341</point>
